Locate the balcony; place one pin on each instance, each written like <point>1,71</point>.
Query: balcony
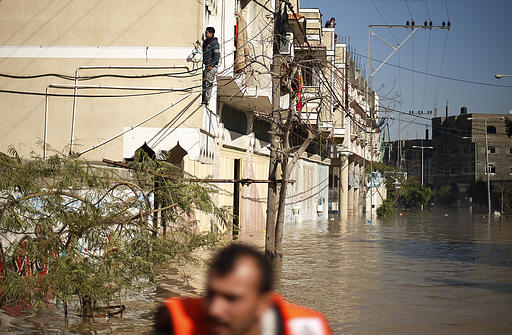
<point>311,117</point>
<point>325,127</point>
<point>338,134</point>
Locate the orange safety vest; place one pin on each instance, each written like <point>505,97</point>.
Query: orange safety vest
<point>188,317</point>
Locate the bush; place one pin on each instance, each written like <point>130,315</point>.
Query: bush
<point>386,209</point>
<point>413,194</point>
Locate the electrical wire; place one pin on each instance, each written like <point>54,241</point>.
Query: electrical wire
<point>96,96</point>
<point>384,21</point>
<point>84,78</point>
<point>439,76</point>
<point>409,9</point>
<point>426,70</point>
<point>441,69</point>
<point>447,13</point>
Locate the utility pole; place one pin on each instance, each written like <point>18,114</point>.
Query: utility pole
<point>273,192</point>
<point>421,147</point>
<point>487,169</point>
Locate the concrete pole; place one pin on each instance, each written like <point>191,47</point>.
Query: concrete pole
<point>350,197</point>
<point>487,169</point>
<point>344,186</point>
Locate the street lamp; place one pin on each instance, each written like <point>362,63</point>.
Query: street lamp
<point>487,172</point>
<point>421,147</point>
<point>499,76</point>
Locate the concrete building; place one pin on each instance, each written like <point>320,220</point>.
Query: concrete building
<point>410,158</point>
<point>98,80</point>
<point>356,140</point>
<point>459,153</point>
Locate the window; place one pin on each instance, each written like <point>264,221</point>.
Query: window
<point>492,169</point>
<point>510,171</point>
<point>466,150</point>
<point>491,130</point>
<point>510,150</point>
<point>453,171</point>
<point>491,149</point>
<point>454,151</point>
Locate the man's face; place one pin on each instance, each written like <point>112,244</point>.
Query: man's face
<point>208,34</point>
<point>234,303</point>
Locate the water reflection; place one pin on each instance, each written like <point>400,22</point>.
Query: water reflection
<point>419,273</point>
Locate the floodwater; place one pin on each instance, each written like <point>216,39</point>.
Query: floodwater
<point>420,273</point>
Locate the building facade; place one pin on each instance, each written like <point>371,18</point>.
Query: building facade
<point>98,80</point>
<point>465,144</point>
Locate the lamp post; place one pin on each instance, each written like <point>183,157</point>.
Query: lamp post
<point>487,172</point>
<point>499,76</point>
<point>422,147</point>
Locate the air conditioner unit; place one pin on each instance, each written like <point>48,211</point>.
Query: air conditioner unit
<point>287,45</point>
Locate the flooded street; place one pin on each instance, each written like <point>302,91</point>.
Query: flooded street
<point>430,273</point>
<point>412,274</point>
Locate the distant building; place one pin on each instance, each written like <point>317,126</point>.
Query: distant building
<point>459,153</point>
<point>409,158</point>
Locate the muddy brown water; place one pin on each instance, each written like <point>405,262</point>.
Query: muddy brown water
<point>420,273</point>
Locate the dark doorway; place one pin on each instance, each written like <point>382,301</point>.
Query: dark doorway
<point>236,199</point>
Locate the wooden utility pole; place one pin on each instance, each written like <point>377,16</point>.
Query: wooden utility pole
<point>273,192</point>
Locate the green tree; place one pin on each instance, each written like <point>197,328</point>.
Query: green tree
<point>70,229</point>
<point>412,194</point>
<point>447,194</point>
<point>386,209</point>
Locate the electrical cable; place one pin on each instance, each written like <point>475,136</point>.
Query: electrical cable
<point>426,70</point>
<point>384,21</point>
<point>93,95</point>
<point>441,69</point>
<point>409,9</point>
<point>439,76</point>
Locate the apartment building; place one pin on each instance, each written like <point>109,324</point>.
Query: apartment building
<point>465,144</point>
<point>98,80</point>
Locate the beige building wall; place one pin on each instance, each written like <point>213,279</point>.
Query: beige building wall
<point>40,37</point>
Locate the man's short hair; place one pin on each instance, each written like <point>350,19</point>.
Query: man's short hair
<point>224,262</point>
<point>211,30</point>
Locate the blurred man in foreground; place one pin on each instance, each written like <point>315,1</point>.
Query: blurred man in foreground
<point>239,301</point>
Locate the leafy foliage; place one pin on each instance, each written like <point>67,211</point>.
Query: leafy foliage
<point>412,194</point>
<point>447,194</point>
<point>386,209</point>
<point>69,228</point>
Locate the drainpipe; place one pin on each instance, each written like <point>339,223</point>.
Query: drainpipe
<point>45,133</point>
<point>96,67</point>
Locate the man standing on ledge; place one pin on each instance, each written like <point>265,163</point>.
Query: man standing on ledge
<point>211,56</point>
<point>239,301</point>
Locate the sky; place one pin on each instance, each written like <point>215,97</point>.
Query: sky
<point>478,46</point>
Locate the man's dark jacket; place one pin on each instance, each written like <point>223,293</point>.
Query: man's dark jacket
<point>211,52</point>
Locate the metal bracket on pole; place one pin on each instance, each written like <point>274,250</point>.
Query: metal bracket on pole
<point>371,34</point>
<point>394,50</point>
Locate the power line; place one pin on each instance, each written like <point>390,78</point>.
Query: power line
<point>439,76</point>
<point>93,95</point>
<point>441,69</point>
<point>84,78</point>
<point>426,77</point>
<point>384,21</point>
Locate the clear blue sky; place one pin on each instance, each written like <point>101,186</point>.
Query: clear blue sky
<point>478,46</point>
